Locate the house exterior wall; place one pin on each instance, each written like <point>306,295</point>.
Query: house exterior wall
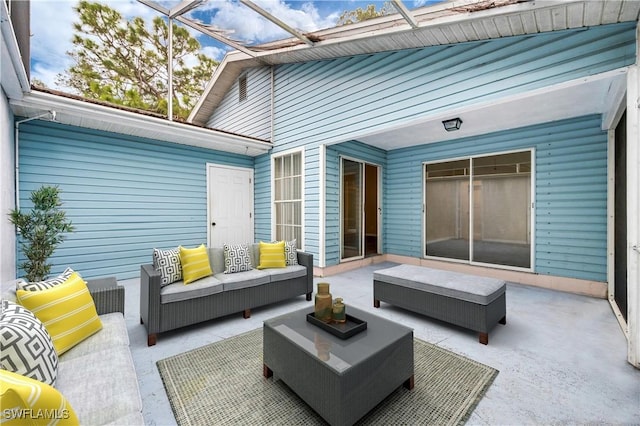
<point>251,117</point>
<point>570,198</point>
<point>336,100</point>
<point>7,197</point>
<point>124,195</point>
<point>327,102</point>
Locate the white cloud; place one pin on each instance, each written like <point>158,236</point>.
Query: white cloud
<point>249,26</point>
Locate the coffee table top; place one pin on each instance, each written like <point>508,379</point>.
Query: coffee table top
<point>336,353</point>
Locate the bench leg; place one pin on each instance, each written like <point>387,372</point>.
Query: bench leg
<point>246,313</point>
<point>266,371</point>
<point>151,339</point>
<point>309,297</point>
<point>483,338</point>
<point>376,303</point>
<point>409,383</point>
<point>503,320</point>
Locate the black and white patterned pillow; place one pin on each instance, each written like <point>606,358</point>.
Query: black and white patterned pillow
<point>236,258</point>
<point>169,265</point>
<point>26,347</point>
<point>46,284</point>
<point>290,252</point>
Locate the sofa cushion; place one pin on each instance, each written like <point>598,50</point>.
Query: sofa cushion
<point>46,284</point>
<point>25,345</point>
<point>177,291</point>
<point>294,271</point>
<point>216,259</point>
<point>195,263</point>
<point>31,398</point>
<point>113,333</point>
<point>101,386</point>
<point>244,279</point>
<point>236,258</point>
<point>66,310</point>
<point>167,262</point>
<point>272,255</point>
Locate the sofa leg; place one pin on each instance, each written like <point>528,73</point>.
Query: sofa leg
<point>246,313</point>
<point>151,339</point>
<point>309,297</point>
<point>376,303</point>
<point>141,321</point>
<point>503,320</point>
<point>483,338</point>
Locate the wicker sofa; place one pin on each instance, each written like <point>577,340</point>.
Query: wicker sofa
<point>164,308</point>
<point>97,376</point>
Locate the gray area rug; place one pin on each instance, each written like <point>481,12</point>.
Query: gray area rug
<point>222,383</point>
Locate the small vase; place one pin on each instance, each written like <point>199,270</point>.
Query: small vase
<point>339,314</point>
<point>323,303</point>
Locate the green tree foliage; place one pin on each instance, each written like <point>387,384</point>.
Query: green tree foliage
<point>360,14</point>
<point>40,231</point>
<point>125,62</point>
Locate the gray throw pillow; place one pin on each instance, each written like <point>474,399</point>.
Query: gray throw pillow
<point>167,262</point>
<point>236,258</point>
<point>26,347</point>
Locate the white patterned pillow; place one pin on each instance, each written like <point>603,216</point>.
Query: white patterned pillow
<point>236,258</point>
<point>290,252</point>
<point>169,265</point>
<point>26,347</point>
<point>46,284</point>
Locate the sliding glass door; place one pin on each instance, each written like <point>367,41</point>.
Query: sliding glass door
<point>479,209</point>
<point>359,209</point>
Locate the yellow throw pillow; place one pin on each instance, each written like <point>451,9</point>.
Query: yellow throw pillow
<point>272,255</point>
<point>26,401</point>
<point>195,263</point>
<point>66,310</point>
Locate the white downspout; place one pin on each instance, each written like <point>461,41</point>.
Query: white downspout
<point>633,216</point>
<point>16,147</point>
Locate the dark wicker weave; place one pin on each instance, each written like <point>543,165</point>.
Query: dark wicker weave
<point>107,295</point>
<point>473,316</point>
<point>385,362</point>
<point>160,317</point>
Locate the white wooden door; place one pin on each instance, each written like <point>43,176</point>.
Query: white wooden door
<point>230,205</point>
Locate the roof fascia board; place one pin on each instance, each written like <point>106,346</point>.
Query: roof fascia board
<point>12,59</point>
<point>176,132</point>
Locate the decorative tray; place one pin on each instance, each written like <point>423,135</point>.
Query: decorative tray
<point>343,330</point>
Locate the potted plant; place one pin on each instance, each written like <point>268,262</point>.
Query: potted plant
<point>41,231</point>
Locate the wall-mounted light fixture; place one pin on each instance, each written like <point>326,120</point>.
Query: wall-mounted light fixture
<point>453,124</point>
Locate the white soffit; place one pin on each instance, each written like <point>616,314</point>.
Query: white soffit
<point>99,117</point>
<point>573,99</point>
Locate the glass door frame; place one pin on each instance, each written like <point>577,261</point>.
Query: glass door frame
<point>532,207</point>
<point>341,212</point>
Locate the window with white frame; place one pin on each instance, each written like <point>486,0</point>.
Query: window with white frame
<point>287,182</point>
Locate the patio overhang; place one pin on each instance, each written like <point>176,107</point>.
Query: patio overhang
<point>599,94</point>
<point>81,113</point>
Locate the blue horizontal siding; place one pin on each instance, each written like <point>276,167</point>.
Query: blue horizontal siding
<point>124,195</point>
<point>251,117</point>
<point>262,198</point>
<point>571,193</point>
<point>340,99</point>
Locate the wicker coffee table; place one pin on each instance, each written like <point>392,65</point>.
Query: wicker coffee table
<point>340,379</point>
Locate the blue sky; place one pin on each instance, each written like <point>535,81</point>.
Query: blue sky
<point>52,25</point>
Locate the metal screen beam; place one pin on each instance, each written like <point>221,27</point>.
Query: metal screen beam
<point>276,21</point>
<point>406,13</point>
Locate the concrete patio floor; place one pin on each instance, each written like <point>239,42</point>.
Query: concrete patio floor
<point>561,357</point>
